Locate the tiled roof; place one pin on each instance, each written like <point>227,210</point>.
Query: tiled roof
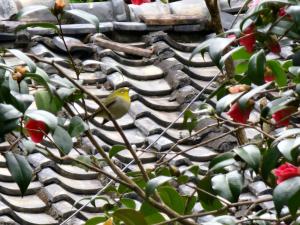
<point>160,87</point>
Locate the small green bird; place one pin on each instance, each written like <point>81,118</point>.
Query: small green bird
<point>117,103</point>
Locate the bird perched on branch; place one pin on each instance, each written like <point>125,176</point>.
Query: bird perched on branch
<point>117,103</point>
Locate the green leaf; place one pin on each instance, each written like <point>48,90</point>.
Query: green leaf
<point>250,154</point>
<point>25,58</point>
<point>151,214</point>
<point>44,101</point>
<point>243,101</point>
<point>189,120</point>
<point>115,150</point>
<point>238,53</point>
<point>286,193</point>
<point>269,162</point>
<point>63,140</point>
<point>222,161</point>
<point>216,49</point>
<point>228,186</point>
<point>42,115</point>
<point>201,48</point>
<point>37,24</point>
<point>77,126</point>
<point>28,145</point>
<point>256,67</point>
<point>156,182</point>
<point>285,134</point>
<point>86,16</point>
<point>129,203</point>
<point>280,76</point>
<point>31,9</point>
<point>207,201</point>
<point>9,118</point>
<point>40,79</point>
<point>285,147</point>
<point>276,105</point>
<point>20,170</point>
<point>96,220</point>
<point>172,199</point>
<point>130,217</point>
<point>224,102</point>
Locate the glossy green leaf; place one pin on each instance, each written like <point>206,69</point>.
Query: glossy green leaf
<point>31,65</point>
<point>256,67</point>
<point>280,76</point>
<point>189,120</point>
<point>294,11</point>
<point>115,150</point>
<point>96,220</point>
<point>216,49</point>
<point>9,118</point>
<point>130,217</point>
<point>41,79</point>
<point>172,198</point>
<point>285,147</point>
<point>243,101</point>
<point>20,170</point>
<point>207,201</point>
<point>276,105</point>
<point>63,140</point>
<point>203,47</point>
<point>30,9</point>
<point>128,203</point>
<point>286,193</point>
<point>151,214</point>
<point>228,186</point>
<point>44,101</point>
<point>37,24</point>
<point>250,154</point>
<point>224,102</point>
<point>87,17</point>
<point>155,183</point>
<point>237,53</point>
<point>269,162</point>
<point>285,134</point>
<point>77,126</point>
<point>222,161</point>
<point>42,115</point>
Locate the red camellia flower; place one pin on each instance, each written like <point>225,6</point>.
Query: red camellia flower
<point>274,47</point>
<point>269,78</point>
<point>238,114</point>
<point>282,12</point>
<point>139,2</point>
<point>281,114</point>
<point>286,171</point>
<point>248,41</point>
<point>36,130</point>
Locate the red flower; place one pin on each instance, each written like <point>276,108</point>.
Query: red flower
<point>269,78</point>
<point>36,130</point>
<point>239,115</point>
<point>286,171</point>
<point>281,114</point>
<point>282,12</point>
<point>248,41</point>
<point>139,2</point>
<point>274,47</point>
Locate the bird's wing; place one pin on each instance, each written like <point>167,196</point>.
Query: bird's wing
<point>109,101</point>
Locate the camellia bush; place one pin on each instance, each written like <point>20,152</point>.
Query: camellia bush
<point>258,90</point>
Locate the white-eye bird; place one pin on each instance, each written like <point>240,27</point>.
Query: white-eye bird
<point>117,103</point>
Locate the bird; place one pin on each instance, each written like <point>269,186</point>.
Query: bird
<point>118,103</point>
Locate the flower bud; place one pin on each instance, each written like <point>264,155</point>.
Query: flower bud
<point>18,74</point>
<point>59,6</point>
<point>238,88</point>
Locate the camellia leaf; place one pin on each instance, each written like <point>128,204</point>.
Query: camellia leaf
<point>269,162</point>
<point>285,147</point>
<point>285,134</point>
<point>40,79</point>
<point>86,16</point>
<point>201,48</point>
<point>250,154</point>
<point>129,203</point>
<point>25,58</point>
<point>44,101</point>
<point>207,201</point>
<point>172,199</point>
<point>151,214</point>
<point>221,161</point>
<point>238,53</point>
<point>294,11</point>
<point>63,140</point>
<point>156,182</point>
<point>42,115</point>
<point>115,150</point>
<point>130,217</point>
<point>280,76</point>
<point>20,170</point>
<point>286,193</point>
<point>77,126</point>
<point>31,9</point>
<point>189,120</point>
<point>224,102</point>
<point>96,220</point>
<point>9,117</point>
<point>37,24</point>
<point>256,67</point>
<point>276,105</point>
<point>243,101</point>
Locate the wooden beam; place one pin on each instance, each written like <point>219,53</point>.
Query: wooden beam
<point>120,47</point>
